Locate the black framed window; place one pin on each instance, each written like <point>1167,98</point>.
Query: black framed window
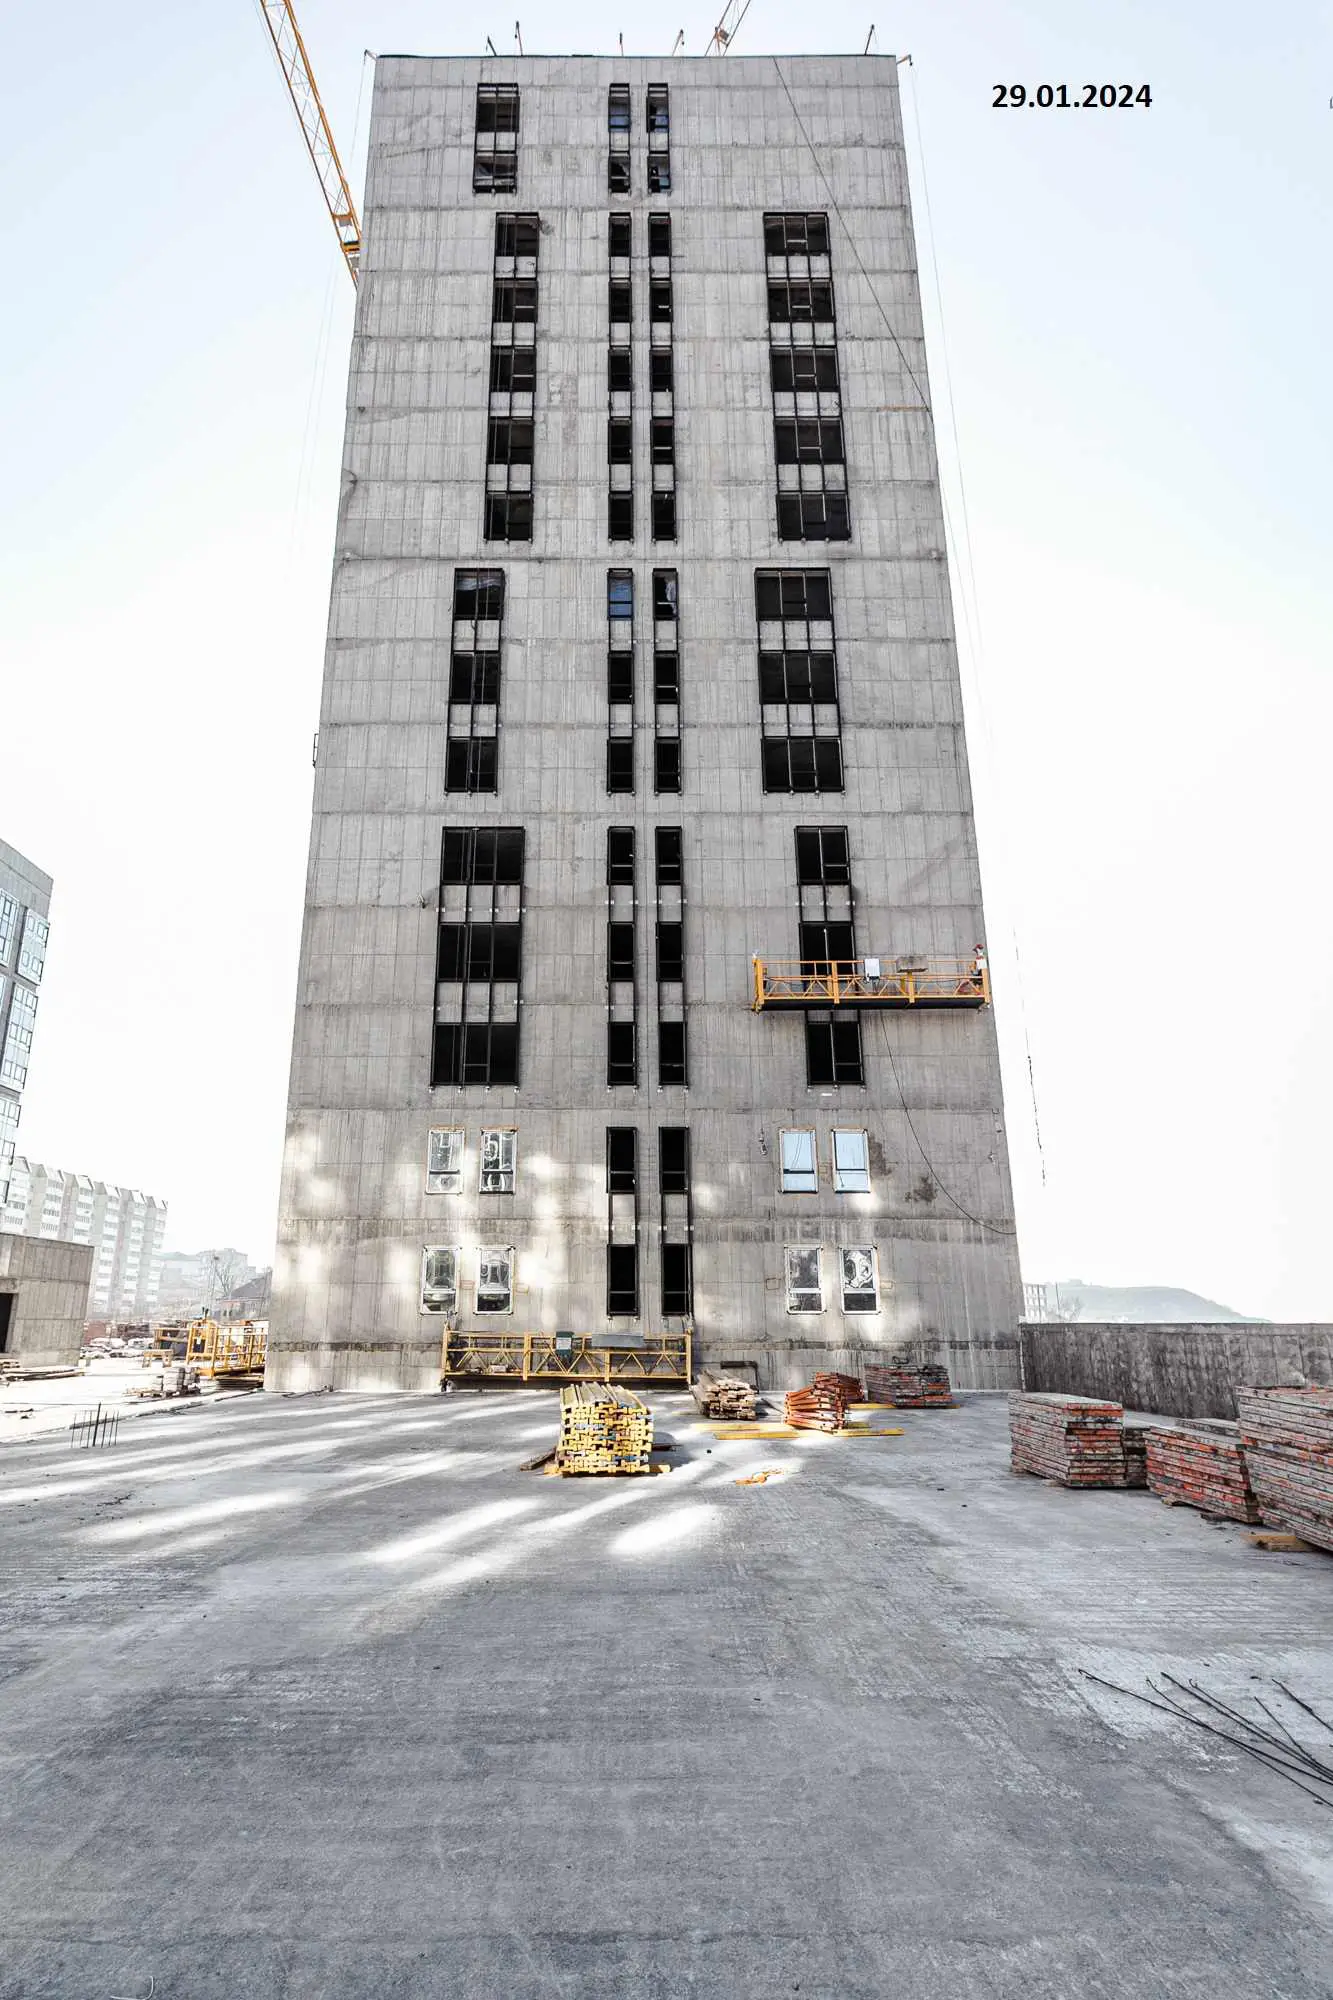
<point>479,956</point>
<point>809,447</point>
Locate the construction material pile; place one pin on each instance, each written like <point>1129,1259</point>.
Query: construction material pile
<point>821,1407</point>
<point>1135,1440</point>
<point>908,1385</point>
<point>847,1386</point>
<point>1201,1467</point>
<point>1075,1440</point>
<point>603,1429</point>
<point>1287,1438</point>
<point>725,1396</point>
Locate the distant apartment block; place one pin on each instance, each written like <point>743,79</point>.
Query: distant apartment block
<point>25,906</point>
<point>125,1228</point>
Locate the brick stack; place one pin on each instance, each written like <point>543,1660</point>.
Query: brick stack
<point>725,1396</point>
<point>910,1385</point>
<point>1199,1468</point>
<point>603,1429</point>
<point>1287,1438</point>
<point>821,1407</point>
<point>1075,1440</point>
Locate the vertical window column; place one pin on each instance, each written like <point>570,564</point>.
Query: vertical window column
<point>661,320</point>
<point>474,681</point>
<point>676,1227</point>
<point>622,994</point>
<point>622,1222</point>
<point>509,427</point>
<point>617,139</point>
<point>619,680</point>
<point>807,395</point>
<point>620,381</point>
<point>495,139</point>
<point>827,935</point>
<point>798,681</point>
<point>659,139</point>
<point>672,1047</point>
<point>479,956</point>
<point>666,681</point>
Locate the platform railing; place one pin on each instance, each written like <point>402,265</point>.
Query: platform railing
<point>861,982</point>
<point>553,1357</point>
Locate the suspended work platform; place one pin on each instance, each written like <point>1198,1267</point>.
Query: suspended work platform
<point>565,1357</point>
<point>869,982</point>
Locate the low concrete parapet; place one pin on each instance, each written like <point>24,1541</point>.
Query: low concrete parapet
<point>1191,1369</point>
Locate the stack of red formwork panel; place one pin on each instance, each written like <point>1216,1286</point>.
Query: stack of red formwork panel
<point>848,1387</point>
<point>1075,1440</point>
<point>910,1385</point>
<point>1287,1437</point>
<point>819,1408</point>
<point>1203,1468</point>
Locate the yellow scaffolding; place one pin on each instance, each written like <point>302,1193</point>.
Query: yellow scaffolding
<point>217,1350</point>
<point>869,982</point>
<point>555,1357</point>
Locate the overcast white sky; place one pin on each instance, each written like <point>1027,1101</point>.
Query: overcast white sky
<point>1137,308</point>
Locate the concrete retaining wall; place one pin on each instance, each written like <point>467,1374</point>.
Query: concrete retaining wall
<point>1186,1370</point>
<point>50,1283</point>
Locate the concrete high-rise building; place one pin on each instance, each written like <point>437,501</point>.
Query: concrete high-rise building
<point>642,979</point>
<point>25,907</point>
<point>125,1228</point>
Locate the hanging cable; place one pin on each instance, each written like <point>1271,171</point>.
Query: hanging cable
<point>995,1228</point>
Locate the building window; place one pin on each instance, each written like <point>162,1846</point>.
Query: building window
<point>620,678</point>
<point>444,1160</point>
<point>666,681</point>
<point>32,952</point>
<point>499,1152</point>
<point>622,986</point>
<point>800,1165</point>
<point>659,139</point>
<point>617,139</point>
<point>620,376</point>
<point>18,1037</point>
<point>805,1291</point>
<point>622,1221</point>
<point>9,919</point>
<point>495,142</point>
<point>622,1159</point>
<point>495,1280</point>
<point>471,762</point>
<point>479,956</point>
<point>800,718</point>
<point>677,1221</point>
<point>833,1049</point>
<point>803,373</point>
<point>860,1280</point>
<point>662,429</point>
<point>851,1163</point>
<point>672,1039</point>
<point>439,1279</point>
<point>622,1280</point>
<point>510,425</point>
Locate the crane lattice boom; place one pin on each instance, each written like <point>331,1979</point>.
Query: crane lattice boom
<point>319,140</point>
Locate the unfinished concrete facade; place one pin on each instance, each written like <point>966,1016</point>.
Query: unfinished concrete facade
<point>571,786</point>
<point>43,1300</point>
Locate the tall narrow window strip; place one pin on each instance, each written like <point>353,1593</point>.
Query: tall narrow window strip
<point>808,443</point>
<point>659,138</point>
<point>510,426</point>
<point>676,1229</point>
<point>622,985</point>
<point>672,1023</point>
<point>800,714</point>
<point>472,750</point>
<point>479,956</point>
<point>661,334</point>
<point>495,140</point>
<point>622,1221</point>
<point>620,681</point>
<point>618,139</point>
<point>620,376</point>
<point>826,930</point>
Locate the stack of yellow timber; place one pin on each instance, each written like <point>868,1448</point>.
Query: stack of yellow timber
<point>603,1429</point>
<point>725,1396</point>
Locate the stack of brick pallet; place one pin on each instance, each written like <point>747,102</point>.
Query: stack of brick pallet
<point>1203,1467</point>
<point>725,1396</point>
<point>821,1407</point>
<point>1287,1438</point>
<point>909,1385</point>
<point>1075,1440</point>
<point>603,1429</point>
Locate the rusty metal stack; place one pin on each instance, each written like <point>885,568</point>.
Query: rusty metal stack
<point>1074,1440</point>
<point>847,1386</point>
<point>908,1385</point>
<point>1201,1466</point>
<point>1287,1438</point>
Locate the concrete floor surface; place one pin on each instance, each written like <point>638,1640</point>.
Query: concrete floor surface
<point>321,1696</point>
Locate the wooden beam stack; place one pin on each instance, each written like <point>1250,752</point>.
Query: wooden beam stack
<point>908,1385</point>
<point>725,1396</point>
<point>1287,1438</point>
<point>821,1407</point>
<point>603,1429</point>
<point>1074,1440</point>
<point>848,1387</point>
<point>1205,1469</point>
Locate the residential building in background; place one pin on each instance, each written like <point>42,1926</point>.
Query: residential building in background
<point>643,983</point>
<point>25,908</point>
<point>199,1281</point>
<point>125,1228</point>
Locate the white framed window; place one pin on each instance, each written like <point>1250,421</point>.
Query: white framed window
<point>499,1155</point>
<point>800,1163</point>
<point>32,952</point>
<point>18,1038</point>
<point>805,1289</point>
<point>9,923</point>
<point>860,1280</point>
<point>495,1280</point>
<point>444,1160</point>
<point>851,1163</point>
<point>439,1279</point>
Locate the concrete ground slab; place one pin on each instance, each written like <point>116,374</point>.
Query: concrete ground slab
<point>321,1696</point>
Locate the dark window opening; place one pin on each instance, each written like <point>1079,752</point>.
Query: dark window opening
<point>833,1050</point>
<point>508,517</point>
<point>666,678</point>
<point>622,1159</point>
<point>659,298</point>
<point>620,517</point>
<point>663,438</point>
<point>509,441</point>
<point>822,855</point>
<point>514,369</point>
<point>668,840</point>
<point>497,107</point>
<point>482,854</point>
<point>802,764</point>
<point>620,676</point>
<point>659,175</point>
<point>664,517</point>
<point>659,235</point>
<point>619,368</point>
<point>796,235</point>
<point>483,1053</point>
<point>617,174</point>
<point>677,1279</point>
<point>620,854</point>
<point>793,594</point>
<point>517,235</point>
<point>619,441</point>
<point>619,299</point>
<point>660,370</point>
<point>671,1065</point>
<point>659,108</point>
<point>617,108</point>
<point>620,764</point>
<point>622,1280</point>
<point>813,517</point>
<point>673,1153</point>
<point>471,765</point>
<point>475,677</point>
<point>514,299</point>
<point>666,764</point>
<point>670,950</point>
<point>479,593</point>
<point>620,951</point>
<point>827,943</point>
<point>622,1061</point>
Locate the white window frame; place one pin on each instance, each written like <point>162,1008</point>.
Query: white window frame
<point>442,1178</point>
<point>32,950</point>
<point>495,1253</point>
<point>9,925</point>
<point>860,1173</point>
<point>791,1253</point>
<point>502,1141</point>
<point>438,1297</point>
<point>858,1250</point>
<point>788,1170</point>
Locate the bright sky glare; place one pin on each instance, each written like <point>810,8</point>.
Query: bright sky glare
<point>1136,305</point>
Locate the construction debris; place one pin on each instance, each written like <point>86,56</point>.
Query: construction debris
<point>1074,1440</point>
<point>725,1396</point>
<point>1201,1468</point>
<point>907,1385</point>
<point>603,1428</point>
<point>1287,1438</point>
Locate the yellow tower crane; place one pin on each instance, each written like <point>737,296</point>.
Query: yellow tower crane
<point>295,64</point>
